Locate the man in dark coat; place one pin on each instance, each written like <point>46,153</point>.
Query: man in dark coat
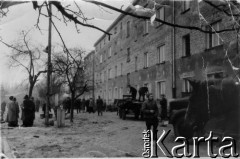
<point>28,111</point>
<point>99,106</point>
<point>142,92</point>
<point>133,92</point>
<point>163,103</point>
<point>150,111</point>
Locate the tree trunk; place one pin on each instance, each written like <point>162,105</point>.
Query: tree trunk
<point>30,90</point>
<point>72,109</point>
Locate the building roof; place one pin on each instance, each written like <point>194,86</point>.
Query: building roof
<point>89,54</point>
<point>115,22</point>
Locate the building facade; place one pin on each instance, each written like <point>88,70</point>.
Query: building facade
<point>162,57</point>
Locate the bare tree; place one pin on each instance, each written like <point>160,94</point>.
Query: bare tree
<point>73,12</point>
<point>26,55</point>
<point>69,68</point>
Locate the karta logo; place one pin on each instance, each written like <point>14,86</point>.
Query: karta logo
<point>228,148</point>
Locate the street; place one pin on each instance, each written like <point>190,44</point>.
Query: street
<point>89,136</point>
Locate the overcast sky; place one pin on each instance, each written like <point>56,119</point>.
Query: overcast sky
<point>24,17</point>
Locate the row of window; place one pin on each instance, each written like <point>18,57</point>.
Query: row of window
<point>160,13</point>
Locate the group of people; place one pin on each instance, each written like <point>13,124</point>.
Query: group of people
<point>82,105</point>
<point>28,109</point>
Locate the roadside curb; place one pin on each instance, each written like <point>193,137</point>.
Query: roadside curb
<point>5,148</point>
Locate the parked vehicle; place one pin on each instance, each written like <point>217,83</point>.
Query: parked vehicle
<point>128,106</point>
<point>177,111</point>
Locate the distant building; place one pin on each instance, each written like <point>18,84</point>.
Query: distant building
<point>88,74</point>
<point>162,57</point>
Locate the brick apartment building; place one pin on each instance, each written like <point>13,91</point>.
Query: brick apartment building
<point>163,57</point>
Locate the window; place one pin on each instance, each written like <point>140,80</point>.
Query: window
<point>186,5</point>
<point>136,63</point>
<point>186,45</point>
<point>116,71</point>
<point>146,27</point>
<point>128,78</point>
<point>110,94</point>
<point>104,40</point>
<point>161,88</point>
<point>161,54</point>
<point>213,39</point>
<point>215,75</point>
<point>109,73</point>
<point>186,87</point>
<point>121,26</point>
<point>104,56</point>
<point>101,58</point>
<point>100,77</point>
<point>120,93</point>
<point>161,14</point>
<point>105,75</point>
<point>115,93</point>
<point>145,60</point>
<point>128,55</point>
<point>121,70</point>
<point>128,29</point>
<point>110,52</point>
<point>115,30</point>
<point>100,45</point>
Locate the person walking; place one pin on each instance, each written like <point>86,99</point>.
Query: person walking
<point>163,103</point>
<point>13,112</point>
<point>83,105</point>
<point>87,105</point>
<point>99,106</point>
<point>28,112</point>
<point>3,108</point>
<point>91,105</point>
<point>150,111</point>
<point>37,104</point>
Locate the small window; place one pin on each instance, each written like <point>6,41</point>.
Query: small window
<point>136,63</point>
<point>115,93</point>
<point>145,59</point>
<point>121,26</point>
<point>121,69</point>
<point>128,78</point>
<point>115,30</point>
<point>146,27</point>
<point>161,54</point>
<point>116,71</point>
<point>186,45</point>
<point>104,40</point>
<point>161,15</point>
<point>186,86</point>
<point>186,5</point>
<point>109,73</point>
<point>128,29</point>
<point>101,58</point>
<point>128,55</point>
<point>215,75</point>
<point>110,52</point>
<point>161,88</point>
<point>213,39</point>
<point>100,76</point>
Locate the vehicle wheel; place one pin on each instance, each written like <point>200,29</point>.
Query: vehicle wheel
<point>123,114</point>
<point>180,129</point>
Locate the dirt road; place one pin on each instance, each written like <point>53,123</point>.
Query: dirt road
<point>89,136</point>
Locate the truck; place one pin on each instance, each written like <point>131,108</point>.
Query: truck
<point>128,106</point>
<point>177,111</point>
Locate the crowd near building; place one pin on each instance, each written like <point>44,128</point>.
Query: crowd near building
<point>162,57</point>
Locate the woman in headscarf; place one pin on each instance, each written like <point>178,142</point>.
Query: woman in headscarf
<point>28,112</point>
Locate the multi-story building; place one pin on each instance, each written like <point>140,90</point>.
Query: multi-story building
<point>162,57</point>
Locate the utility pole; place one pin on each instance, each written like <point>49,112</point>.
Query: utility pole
<point>49,64</point>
